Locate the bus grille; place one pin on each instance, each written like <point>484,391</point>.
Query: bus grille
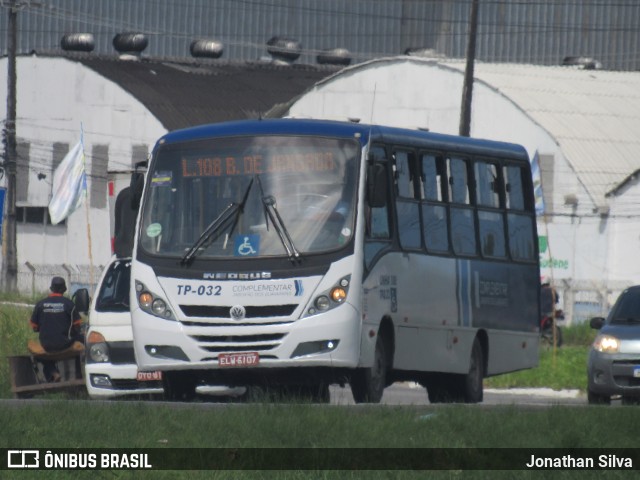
<point>261,311</point>
<point>239,343</point>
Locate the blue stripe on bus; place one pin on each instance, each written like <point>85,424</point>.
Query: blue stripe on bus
<point>464,291</point>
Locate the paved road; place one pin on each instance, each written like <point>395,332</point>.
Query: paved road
<point>412,394</point>
<point>402,394</point>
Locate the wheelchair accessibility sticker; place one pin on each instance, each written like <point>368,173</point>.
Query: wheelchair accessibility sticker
<point>246,245</point>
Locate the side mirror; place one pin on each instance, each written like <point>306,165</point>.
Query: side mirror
<point>82,300</point>
<point>596,323</point>
<point>125,224</point>
<point>137,184</point>
<point>377,185</point>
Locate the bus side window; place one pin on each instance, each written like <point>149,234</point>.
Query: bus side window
<point>406,176</point>
<point>463,224</point>
<point>487,184</point>
<point>407,207</point>
<point>514,193</point>
<point>520,226</point>
<point>434,212</point>
<point>458,181</point>
<point>433,175</point>
<point>490,222</point>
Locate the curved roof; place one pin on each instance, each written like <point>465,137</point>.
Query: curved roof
<point>183,92</point>
<point>593,115</point>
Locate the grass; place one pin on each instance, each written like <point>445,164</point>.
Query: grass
<point>159,425</point>
<point>566,368</point>
<point>149,425</point>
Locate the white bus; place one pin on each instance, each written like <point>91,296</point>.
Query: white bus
<point>305,253</point>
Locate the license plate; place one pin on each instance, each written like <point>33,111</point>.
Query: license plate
<point>245,359</point>
<point>636,372</point>
<point>149,376</point>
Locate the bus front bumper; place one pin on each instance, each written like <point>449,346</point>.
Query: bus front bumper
<point>330,339</point>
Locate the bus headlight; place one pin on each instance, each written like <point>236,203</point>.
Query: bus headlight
<point>159,307</point>
<point>98,349</point>
<point>332,298</point>
<point>152,303</point>
<point>322,303</point>
<point>338,294</point>
<point>145,299</point>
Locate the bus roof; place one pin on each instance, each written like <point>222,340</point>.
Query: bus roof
<point>366,133</point>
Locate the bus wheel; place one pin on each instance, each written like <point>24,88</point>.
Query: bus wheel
<point>472,388</point>
<point>367,384</point>
<point>179,386</point>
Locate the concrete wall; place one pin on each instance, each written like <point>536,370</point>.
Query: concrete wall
<point>55,96</point>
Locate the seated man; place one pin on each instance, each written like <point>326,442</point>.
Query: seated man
<point>58,323</point>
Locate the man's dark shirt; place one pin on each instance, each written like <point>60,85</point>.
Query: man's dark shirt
<point>57,320</point>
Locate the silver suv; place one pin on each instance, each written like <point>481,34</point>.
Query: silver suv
<point>614,359</point>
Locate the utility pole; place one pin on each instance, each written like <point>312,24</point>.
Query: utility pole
<point>10,264</point>
<point>467,88</point>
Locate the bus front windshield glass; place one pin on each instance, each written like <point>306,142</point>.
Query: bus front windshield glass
<point>250,197</point>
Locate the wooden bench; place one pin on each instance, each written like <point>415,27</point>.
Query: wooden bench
<point>26,374</point>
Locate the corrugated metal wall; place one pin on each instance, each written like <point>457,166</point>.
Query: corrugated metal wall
<point>522,31</point>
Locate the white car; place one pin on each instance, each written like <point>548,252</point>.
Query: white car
<point>110,368</point>
<point>110,363</point>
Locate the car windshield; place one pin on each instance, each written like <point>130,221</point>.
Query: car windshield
<point>627,309</point>
<point>114,291</point>
<point>250,197</point>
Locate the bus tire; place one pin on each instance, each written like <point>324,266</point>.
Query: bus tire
<point>472,382</point>
<point>179,386</point>
<point>367,384</point>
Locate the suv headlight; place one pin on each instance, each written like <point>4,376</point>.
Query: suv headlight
<point>606,343</point>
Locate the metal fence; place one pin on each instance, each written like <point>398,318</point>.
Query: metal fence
<point>581,300</point>
<point>35,279</point>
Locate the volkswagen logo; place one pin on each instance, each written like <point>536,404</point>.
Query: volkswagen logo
<point>237,312</point>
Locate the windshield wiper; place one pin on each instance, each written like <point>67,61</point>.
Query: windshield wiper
<point>212,232</point>
<point>271,210</point>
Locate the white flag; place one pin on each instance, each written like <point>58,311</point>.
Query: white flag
<point>537,184</point>
<point>69,184</point>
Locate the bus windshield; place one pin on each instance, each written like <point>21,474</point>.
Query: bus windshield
<point>258,196</point>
